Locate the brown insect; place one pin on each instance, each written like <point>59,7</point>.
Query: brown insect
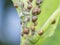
<point>15,5</point>
<point>36,11</point>
<point>34,18</point>
<point>26,30</point>
<point>41,32</point>
<point>33,28</point>
<point>29,6</point>
<point>53,22</point>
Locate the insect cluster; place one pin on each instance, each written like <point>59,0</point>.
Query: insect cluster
<point>29,11</point>
<point>26,16</point>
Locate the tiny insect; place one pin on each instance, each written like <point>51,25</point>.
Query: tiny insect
<point>34,18</point>
<point>36,11</point>
<point>53,22</point>
<point>26,30</point>
<point>15,5</point>
<point>41,32</point>
<point>29,6</point>
<point>33,28</point>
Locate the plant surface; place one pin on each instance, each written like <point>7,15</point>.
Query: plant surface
<point>39,19</point>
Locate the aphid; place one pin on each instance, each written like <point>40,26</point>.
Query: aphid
<point>15,5</point>
<point>29,6</point>
<point>41,32</point>
<point>34,18</point>
<point>38,2</point>
<point>26,30</point>
<point>53,22</point>
<point>36,11</point>
<point>33,28</point>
